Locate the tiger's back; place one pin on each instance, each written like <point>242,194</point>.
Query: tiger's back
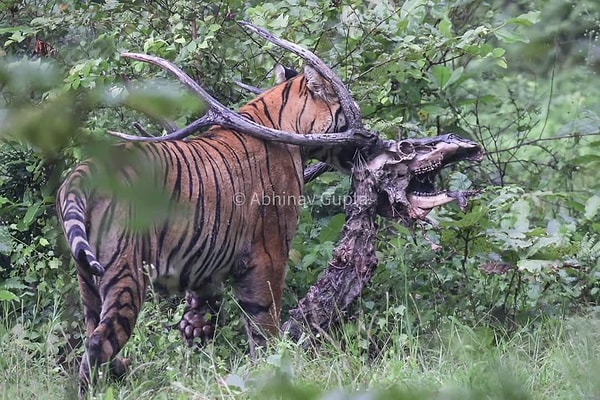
<point>231,209</point>
<point>215,202</point>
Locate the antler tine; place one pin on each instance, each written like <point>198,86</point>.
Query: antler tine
<point>218,114</point>
<point>249,88</point>
<point>314,171</point>
<point>207,119</point>
<point>349,107</point>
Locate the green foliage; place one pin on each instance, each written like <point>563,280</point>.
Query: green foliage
<point>453,362</point>
<point>519,77</point>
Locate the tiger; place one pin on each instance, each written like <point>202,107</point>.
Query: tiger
<point>213,227</point>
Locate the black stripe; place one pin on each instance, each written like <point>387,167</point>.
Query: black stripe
<point>285,96</point>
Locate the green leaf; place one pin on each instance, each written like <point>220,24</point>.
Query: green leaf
<point>309,259</point>
<point>444,77</point>
<point>280,22</point>
<point>191,47</point>
<point>13,283</point>
<point>510,36</point>
<point>521,210</point>
<point>109,394</point>
<point>6,295</point>
<point>445,27</point>
<point>534,266</point>
<point>75,83</point>
<point>591,207</point>
<point>459,181</point>
<point>161,99</point>
<point>498,52</point>
<point>20,30</point>
<point>455,76</point>
<point>31,213</point>
<point>41,21</point>
<point>472,218</point>
<point>235,381</point>
<point>54,263</point>
<point>544,242</point>
<point>441,74</point>
<point>414,11</point>
<point>527,19</point>
<point>295,257</point>
<point>332,231</point>
<point>18,37</point>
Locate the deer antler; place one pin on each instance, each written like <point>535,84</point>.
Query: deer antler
<point>218,114</point>
<point>248,88</point>
<point>349,107</point>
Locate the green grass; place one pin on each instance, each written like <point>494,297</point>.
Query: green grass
<point>548,359</point>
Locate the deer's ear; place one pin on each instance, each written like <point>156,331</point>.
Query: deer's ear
<point>318,85</point>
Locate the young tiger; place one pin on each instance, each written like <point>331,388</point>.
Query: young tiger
<point>230,212</point>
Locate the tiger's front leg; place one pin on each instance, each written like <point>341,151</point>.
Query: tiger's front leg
<point>259,290</point>
<point>200,315</point>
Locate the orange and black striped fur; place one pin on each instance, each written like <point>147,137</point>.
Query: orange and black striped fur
<point>215,225</point>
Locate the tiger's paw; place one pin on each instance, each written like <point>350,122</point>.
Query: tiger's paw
<point>196,325</point>
<point>119,367</point>
<point>199,319</point>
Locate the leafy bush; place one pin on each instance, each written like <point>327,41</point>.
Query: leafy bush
<point>485,70</point>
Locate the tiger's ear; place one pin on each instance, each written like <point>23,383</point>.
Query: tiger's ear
<point>282,73</point>
<point>279,72</point>
<point>318,85</point>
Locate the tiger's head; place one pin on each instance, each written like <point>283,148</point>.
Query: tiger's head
<point>301,103</point>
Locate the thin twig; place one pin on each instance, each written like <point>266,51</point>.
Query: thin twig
<point>535,141</point>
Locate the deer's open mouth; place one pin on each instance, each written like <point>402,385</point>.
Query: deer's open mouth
<point>415,192</point>
<point>423,195</point>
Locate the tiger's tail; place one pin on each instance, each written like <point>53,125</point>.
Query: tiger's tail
<point>71,205</point>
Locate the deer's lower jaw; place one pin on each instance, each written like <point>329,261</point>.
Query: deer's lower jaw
<point>421,203</point>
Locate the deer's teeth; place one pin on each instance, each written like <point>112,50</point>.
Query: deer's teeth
<point>428,194</point>
<point>429,168</point>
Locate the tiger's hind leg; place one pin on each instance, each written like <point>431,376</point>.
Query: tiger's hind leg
<point>122,289</point>
<point>200,314</point>
<point>92,306</point>
<point>259,289</point>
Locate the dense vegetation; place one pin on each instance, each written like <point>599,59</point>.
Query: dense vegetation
<point>502,306</point>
